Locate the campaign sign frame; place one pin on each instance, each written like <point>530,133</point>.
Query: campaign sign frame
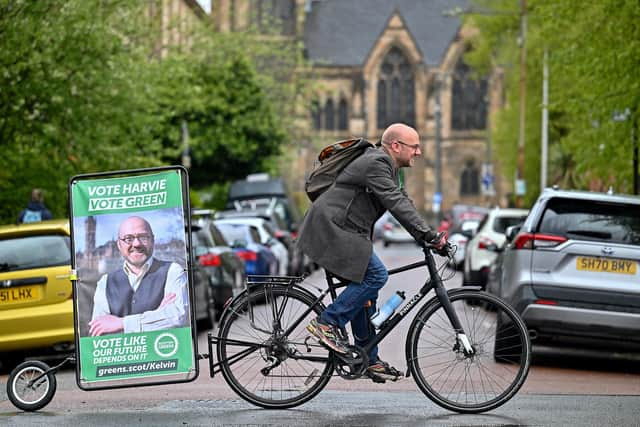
<point>132,283</point>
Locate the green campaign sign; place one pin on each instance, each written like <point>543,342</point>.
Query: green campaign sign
<point>127,194</point>
<point>132,290</point>
<point>122,356</point>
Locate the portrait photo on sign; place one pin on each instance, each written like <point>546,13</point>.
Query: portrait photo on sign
<point>132,274</point>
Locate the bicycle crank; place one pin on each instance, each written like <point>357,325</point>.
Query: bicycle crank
<point>353,365</point>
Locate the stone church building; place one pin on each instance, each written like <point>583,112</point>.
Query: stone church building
<point>377,62</point>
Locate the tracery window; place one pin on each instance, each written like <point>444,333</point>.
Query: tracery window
<point>396,90</point>
<point>329,115</point>
<point>316,115</point>
<point>469,99</point>
<point>343,115</point>
<point>470,179</point>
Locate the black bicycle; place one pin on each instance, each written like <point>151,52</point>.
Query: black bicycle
<point>467,350</point>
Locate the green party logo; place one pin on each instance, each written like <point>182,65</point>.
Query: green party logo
<point>166,345</point>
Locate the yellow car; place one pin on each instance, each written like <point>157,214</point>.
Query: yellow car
<point>36,298</point>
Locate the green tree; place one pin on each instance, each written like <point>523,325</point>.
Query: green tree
<point>594,53</point>
<point>83,89</point>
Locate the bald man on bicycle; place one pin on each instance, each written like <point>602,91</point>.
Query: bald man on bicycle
<point>336,233</point>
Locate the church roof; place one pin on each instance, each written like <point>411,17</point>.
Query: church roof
<point>343,32</point>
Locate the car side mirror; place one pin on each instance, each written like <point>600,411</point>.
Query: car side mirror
<point>512,231</point>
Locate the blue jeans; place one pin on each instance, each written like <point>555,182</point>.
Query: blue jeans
<point>349,306</point>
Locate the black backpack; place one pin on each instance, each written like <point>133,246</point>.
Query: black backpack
<point>331,161</point>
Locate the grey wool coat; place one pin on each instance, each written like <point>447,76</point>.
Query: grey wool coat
<point>336,230</point>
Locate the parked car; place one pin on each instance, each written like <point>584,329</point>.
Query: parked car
<point>36,305</point>
<point>460,213</point>
<point>226,270</point>
<point>458,238</point>
<point>245,241</point>
<point>205,312</point>
<point>262,191</point>
<point>394,232</point>
<point>481,249</point>
<point>294,264</point>
<point>267,238</point>
<point>572,271</point>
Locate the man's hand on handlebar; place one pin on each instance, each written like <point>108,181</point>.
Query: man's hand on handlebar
<point>439,243</point>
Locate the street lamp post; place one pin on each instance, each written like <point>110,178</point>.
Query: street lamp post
<point>437,112</point>
<point>520,182</point>
<point>186,150</point>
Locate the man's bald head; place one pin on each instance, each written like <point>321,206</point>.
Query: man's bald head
<point>402,143</point>
<point>399,132</point>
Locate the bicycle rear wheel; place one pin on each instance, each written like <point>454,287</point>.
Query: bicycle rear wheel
<point>261,363</point>
<point>469,383</point>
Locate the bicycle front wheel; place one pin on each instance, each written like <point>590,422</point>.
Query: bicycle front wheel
<point>462,382</point>
<point>260,361</point>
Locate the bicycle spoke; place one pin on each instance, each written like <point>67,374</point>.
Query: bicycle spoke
<point>462,381</point>
<point>281,373</point>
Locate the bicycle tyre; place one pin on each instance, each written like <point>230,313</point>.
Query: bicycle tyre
<point>460,383</point>
<point>36,396</point>
<point>295,380</point>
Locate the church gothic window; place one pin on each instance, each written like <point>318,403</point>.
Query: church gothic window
<point>329,115</point>
<point>469,99</point>
<point>396,90</point>
<point>343,115</point>
<point>316,115</point>
<point>470,180</point>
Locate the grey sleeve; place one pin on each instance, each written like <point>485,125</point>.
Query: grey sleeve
<point>380,181</point>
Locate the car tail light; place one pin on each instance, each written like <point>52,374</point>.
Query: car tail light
<point>545,302</point>
<point>485,242</point>
<point>537,240</point>
<point>279,234</point>
<point>294,234</point>
<point>210,260</point>
<point>248,255</point>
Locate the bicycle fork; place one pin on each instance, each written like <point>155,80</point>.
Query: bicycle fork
<point>443,297</point>
<point>461,337</point>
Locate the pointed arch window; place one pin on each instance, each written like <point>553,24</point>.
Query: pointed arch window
<point>316,115</point>
<point>469,99</point>
<point>329,115</point>
<point>470,180</point>
<point>396,90</point>
<point>343,115</point>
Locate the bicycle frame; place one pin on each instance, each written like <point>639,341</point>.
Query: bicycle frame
<point>433,282</point>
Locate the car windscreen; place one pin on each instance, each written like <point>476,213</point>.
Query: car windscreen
<point>34,252</point>
<point>500,224</point>
<point>233,232</point>
<point>590,220</point>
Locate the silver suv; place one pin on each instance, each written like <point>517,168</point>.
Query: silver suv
<point>571,270</point>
